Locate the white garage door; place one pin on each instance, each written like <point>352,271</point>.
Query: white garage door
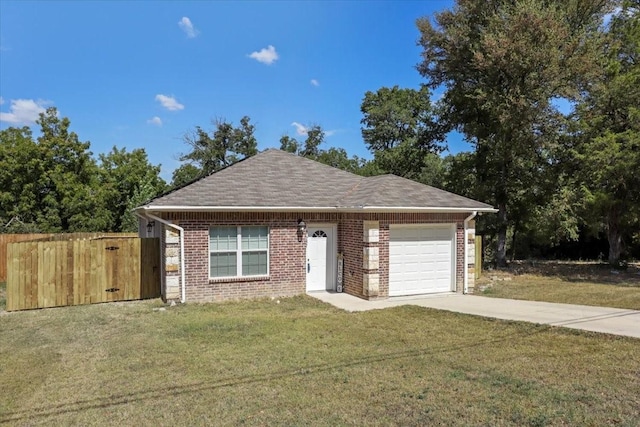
<point>421,259</point>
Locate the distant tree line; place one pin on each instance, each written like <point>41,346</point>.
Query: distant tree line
<point>53,183</point>
<point>565,184</point>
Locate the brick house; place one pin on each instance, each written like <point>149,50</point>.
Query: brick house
<point>276,224</point>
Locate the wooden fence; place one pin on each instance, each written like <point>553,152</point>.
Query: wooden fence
<point>479,260</point>
<point>12,238</point>
<point>73,272</point>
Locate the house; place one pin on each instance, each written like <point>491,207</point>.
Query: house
<point>276,224</point>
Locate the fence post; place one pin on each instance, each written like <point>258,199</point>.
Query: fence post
<point>478,260</point>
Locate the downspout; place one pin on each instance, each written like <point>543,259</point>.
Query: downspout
<point>466,250</point>
<point>183,291</point>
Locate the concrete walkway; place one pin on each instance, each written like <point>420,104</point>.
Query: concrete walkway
<point>597,319</point>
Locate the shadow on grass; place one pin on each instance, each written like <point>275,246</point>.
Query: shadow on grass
<point>113,400</point>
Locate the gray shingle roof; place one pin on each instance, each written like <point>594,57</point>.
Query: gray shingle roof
<point>276,179</point>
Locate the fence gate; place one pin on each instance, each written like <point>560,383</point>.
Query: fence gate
<point>58,273</point>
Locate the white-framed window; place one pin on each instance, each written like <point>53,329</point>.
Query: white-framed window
<point>241,251</point>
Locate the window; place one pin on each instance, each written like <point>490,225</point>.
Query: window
<point>238,251</point>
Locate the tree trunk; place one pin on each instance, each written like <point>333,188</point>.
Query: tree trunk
<point>501,252</point>
<point>513,242</point>
<point>614,237</point>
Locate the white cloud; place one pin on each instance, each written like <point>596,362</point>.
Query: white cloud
<point>266,55</point>
<point>186,25</point>
<point>315,82</point>
<point>1,100</point>
<point>169,102</point>
<point>155,120</point>
<point>300,129</point>
<point>330,132</point>
<point>25,111</point>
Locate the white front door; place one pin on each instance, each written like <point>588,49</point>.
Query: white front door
<point>320,265</point>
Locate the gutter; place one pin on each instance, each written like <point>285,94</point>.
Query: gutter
<point>377,209</point>
<point>183,292</point>
<point>466,252</point>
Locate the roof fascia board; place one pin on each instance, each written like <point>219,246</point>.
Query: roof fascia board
<point>381,209</point>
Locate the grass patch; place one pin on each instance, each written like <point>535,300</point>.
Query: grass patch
<point>571,283</point>
<point>302,362</point>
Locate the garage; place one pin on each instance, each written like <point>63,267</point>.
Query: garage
<point>421,259</point>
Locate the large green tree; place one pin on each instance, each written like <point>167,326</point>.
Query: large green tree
<point>185,174</point>
<point>402,129</point>
<point>608,151</point>
<point>502,64</point>
<point>311,149</point>
<point>21,167</point>
<point>212,151</point>
<point>124,177</point>
<point>70,197</point>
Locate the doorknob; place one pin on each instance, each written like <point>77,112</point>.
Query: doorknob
<point>308,266</point>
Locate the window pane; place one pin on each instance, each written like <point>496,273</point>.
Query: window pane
<point>223,238</point>
<point>223,264</point>
<point>255,238</point>
<point>254,263</point>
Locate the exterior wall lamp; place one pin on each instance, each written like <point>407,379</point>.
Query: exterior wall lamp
<point>150,226</point>
<point>302,228</point>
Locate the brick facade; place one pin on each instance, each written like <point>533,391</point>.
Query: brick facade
<point>287,255</point>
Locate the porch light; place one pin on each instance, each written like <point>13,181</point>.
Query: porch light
<point>302,228</point>
<point>150,226</point>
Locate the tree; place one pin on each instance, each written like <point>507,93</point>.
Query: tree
<point>310,148</point>
<point>226,145</point>
<point>68,195</point>
<point>608,151</point>
<point>21,168</point>
<point>142,194</point>
<point>51,184</point>
<point>123,174</point>
<point>402,129</point>
<point>184,175</point>
<point>502,64</point>
<point>338,158</point>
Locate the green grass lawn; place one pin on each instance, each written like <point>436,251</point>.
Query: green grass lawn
<point>301,362</point>
<point>566,282</point>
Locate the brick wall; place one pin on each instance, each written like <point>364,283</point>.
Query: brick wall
<point>287,256</point>
<point>350,245</point>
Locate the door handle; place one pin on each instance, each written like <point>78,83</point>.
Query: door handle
<point>308,266</point>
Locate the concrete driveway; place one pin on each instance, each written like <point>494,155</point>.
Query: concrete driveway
<point>614,321</point>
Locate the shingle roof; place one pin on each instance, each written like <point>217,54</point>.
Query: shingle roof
<point>276,179</point>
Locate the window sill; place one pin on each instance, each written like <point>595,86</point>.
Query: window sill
<point>238,279</point>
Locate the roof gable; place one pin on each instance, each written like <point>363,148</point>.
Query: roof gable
<point>275,179</point>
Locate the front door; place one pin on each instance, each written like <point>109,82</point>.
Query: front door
<point>320,241</point>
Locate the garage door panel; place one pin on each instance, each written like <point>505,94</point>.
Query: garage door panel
<point>420,260</point>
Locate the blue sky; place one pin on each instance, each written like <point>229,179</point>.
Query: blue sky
<point>140,74</point>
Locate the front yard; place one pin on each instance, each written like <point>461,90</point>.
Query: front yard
<point>584,283</point>
<point>301,362</point>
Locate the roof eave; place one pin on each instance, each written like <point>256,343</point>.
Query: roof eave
<point>487,209</point>
<point>348,209</point>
